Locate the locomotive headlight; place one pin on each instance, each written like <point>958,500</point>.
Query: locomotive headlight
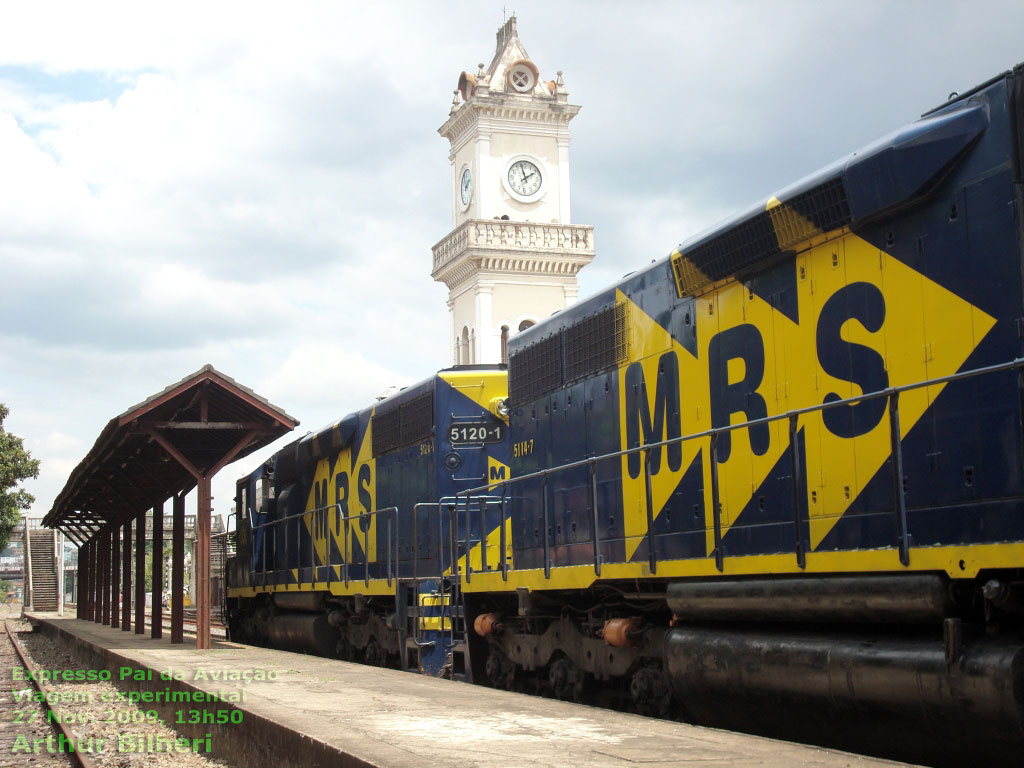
<point>499,405</point>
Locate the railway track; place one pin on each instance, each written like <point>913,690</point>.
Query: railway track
<point>24,721</point>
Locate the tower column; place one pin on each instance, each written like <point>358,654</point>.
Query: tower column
<point>486,351</point>
<point>563,177</point>
<point>571,292</point>
<point>485,195</point>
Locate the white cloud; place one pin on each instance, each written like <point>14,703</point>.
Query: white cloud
<point>259,188</point>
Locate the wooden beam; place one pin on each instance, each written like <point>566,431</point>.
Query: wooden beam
<point>140,574</point>
<point>158,570</point>
<point>144,427</point>
<point>201,565</point>
<point>115,577</point>
<point>178,568</point>
<point>126,571</point>
<point>176,454</point>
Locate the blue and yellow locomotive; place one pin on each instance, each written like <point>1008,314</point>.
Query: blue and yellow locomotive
<point>343,548</point>
<point>773,481</point>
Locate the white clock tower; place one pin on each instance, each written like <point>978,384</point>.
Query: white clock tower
<point>513,254</point>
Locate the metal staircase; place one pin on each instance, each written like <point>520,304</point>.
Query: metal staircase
<point>41,571</point>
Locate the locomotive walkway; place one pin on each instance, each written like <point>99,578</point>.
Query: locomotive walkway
<point>321,712</point>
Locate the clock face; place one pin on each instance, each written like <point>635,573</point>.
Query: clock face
<point>466,186</point>
<point>524,178</point>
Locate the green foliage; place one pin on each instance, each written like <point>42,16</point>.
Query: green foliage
<point>16,464</point>
<point>149,566</point>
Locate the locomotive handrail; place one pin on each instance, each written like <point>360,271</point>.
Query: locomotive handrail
<point>792,415</point>
<point>318,516</point>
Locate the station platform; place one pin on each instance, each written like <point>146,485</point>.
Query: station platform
<point>322,712</point>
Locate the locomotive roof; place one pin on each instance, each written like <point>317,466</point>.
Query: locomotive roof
<point>332,437</point>
<point>887,173</point>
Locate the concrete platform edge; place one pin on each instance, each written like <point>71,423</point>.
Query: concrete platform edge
<point>256,742</point>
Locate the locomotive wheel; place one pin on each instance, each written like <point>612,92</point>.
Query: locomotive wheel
<point>500,670</point>
<point>566,680</point>
<point>650,691</point>
<point>376,656</point>
<point>344,649</point>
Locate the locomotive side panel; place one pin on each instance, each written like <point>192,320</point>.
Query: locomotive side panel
<point>924,287</point>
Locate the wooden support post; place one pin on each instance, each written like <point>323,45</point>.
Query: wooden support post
<point>201,564</point>
<point>178,568</point>
<point>126,582</point>
<point>104,540</point>
<point>84,610</point>
<point>97,613</point>
<point>140,574</point>
<point>79,606</point>
<point>158,570</point>
<point>115,577</point>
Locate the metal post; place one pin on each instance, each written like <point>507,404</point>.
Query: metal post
<point>468,548</point>
<point>652,557</point>
<point>716,509</point>
<point>126,570</point>
<point>140,574</point>
<point>158,570</point>
<point>903,538</point>
<point>502,536</point>
<point>201,564</point>
<point>453,546</point>
<point>346,554</point>
<point>483,534</point>
<point>390,510</point>
<point>547,527</point>
<point>329,536</point>
<point>115,577</point>
<point>596,535</point>
<point>801,557</point>
<point>178,568</point>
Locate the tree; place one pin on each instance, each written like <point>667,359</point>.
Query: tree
<point>16,464</point>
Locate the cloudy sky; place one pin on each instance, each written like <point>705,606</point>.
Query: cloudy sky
<point>258,186</point>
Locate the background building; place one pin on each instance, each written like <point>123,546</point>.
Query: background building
<point>513,254</point>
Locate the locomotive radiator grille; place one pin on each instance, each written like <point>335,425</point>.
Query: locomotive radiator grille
<point>596,343</point>
<point>761,239</point>
<point>403,424</point>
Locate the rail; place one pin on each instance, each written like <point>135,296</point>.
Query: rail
<point>892,394</point>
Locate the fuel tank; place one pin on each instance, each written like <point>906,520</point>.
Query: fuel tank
<point>302,632</point>
<point>893,695</point>
<point>903,599</point>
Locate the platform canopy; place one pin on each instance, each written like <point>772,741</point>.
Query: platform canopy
<point>161,447</point>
